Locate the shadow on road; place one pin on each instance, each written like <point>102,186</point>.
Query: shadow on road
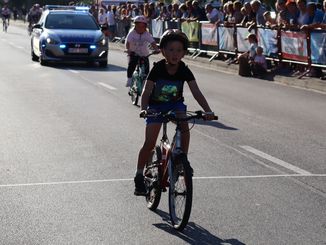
<point>193,233</point>
<point>215,124</point>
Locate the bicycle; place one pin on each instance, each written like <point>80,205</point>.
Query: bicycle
<point>170,168</point>
<point>5,23</point>
<point>138,78</point>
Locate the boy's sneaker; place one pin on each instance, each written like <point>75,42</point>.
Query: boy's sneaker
<point>128,83</point>
<point>140,188</point>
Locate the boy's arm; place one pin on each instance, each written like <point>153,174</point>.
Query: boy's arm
<point>199,97</point>
<point>147,90</point>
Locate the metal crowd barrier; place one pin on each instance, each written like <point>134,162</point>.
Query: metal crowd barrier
<point>298,47</point>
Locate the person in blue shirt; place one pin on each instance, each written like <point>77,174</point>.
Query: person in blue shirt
<point>315,15</point>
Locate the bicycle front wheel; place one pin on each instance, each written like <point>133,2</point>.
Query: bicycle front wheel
<point>133,92</point>
<point>180,192</point>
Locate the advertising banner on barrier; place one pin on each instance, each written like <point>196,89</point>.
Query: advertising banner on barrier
<point>318,47</point>
<point>226,38</point>
<point>209,34</point>
<point>294,46</point>
<point>157,28</point>
<point>172,25</point>
<point>191,30</point>
<point>242,33</point>
<point>267,39</point>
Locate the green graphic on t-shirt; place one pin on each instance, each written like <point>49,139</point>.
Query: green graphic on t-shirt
<point>168,92</point>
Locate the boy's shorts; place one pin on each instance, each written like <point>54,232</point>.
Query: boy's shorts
<point>164,108</point>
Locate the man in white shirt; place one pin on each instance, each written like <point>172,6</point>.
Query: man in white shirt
<point>111,22</point>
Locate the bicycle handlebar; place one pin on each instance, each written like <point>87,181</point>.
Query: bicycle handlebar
<point>171,116</point>
<point>151,53</point>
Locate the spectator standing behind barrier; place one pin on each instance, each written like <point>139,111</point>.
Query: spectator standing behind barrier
<point>259,10</point>
<point>280,7</point>
<point>246,58</point>
<point>316,16</point>
<point>153,13</point>
<point>238,16</point>
<point>292,14</point>
<point>176,12</point>
<point>110,16</point>
<point>213,14</point>
<point>184,12</point>
<point>229,17</point>
<point>303,17</point>
<point>282,19</point>
<point>197,13</point>
<point>125,20</point>
<point>269,21</point>
<point>248,15</point>
<point>102,21</point>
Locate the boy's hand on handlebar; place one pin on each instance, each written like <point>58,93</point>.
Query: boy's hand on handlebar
<point>209,116</point>
<point>144,113</point>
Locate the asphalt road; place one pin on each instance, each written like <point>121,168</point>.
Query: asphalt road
<point>69,143</point>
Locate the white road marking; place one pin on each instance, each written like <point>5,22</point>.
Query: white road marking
<point>275,160</point>
<point>131,179</point>
<point>107,86</point>
<point>73,71</point>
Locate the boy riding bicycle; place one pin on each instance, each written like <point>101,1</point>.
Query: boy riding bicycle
<point>5,14</point>
<point>137,42</point>
<point>163,92</point>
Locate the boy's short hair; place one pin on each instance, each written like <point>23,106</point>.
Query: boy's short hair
<point>174,35</point>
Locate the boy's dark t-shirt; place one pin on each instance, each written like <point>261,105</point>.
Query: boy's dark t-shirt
<point>168,88</point>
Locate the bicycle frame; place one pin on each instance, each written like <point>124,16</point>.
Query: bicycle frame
<point>168,150</point>
<point>140,74</point>
<point>138,79</point>
<point>5,23</point>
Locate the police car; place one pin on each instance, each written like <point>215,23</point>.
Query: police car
<point>68,33</point>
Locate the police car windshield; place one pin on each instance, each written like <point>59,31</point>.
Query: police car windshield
<point>70,21</point>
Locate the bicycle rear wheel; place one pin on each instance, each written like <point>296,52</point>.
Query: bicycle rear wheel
<point>153,176</point>
<point>180,192</point>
